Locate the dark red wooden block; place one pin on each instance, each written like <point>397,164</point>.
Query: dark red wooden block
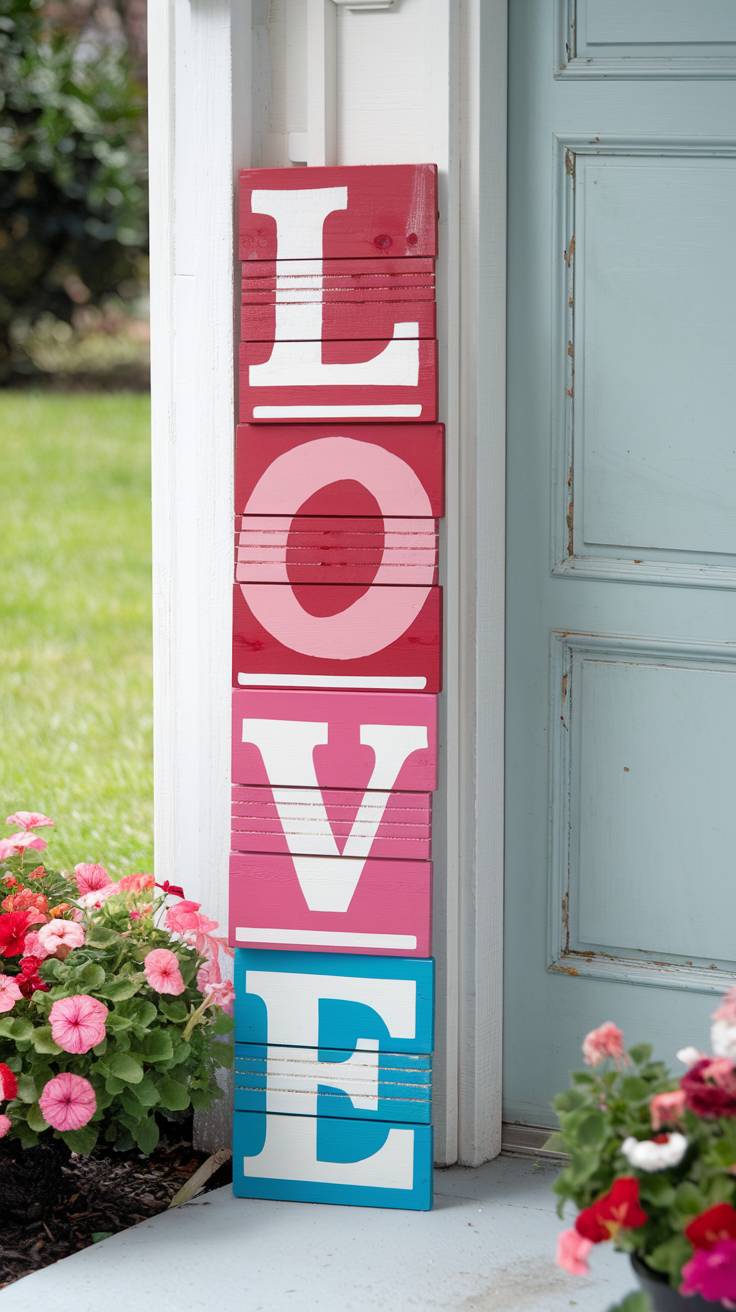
<point>374,211</point>
<point>337,636</point>
<point>301,549</point>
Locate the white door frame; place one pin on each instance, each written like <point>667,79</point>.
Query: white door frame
<point>204,125</point>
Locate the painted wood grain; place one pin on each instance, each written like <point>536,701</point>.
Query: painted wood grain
<point>347,469</point>
<point>312,821</point>
<point>303,1081</point>
<point>333,904</point>
<point>337,635</point>
<point>281,549</point>
<point>367,212</point>
<point>325,1159</point>
<point>324,1000</point>
<point>307,300</point>
<point>353,380</point>
<point>334,740</point>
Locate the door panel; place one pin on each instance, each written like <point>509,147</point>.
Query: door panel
<point>621,714</point>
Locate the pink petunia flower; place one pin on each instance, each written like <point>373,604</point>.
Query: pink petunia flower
<point>91,877</point>
<point>9,993</point>
<point>605,1041</point>
<point>58,934</point>
<point>68,1101</point>
<point>666,1108</point>
<point>33,946</point>
<point>572,1253</point>
<point>29,820</point>
<point>162,972</point>
<point>97,896</point>
<point>711,1272</point>
<point>5,1125</point>
<point>78,1023</point>
<point>19,843</point>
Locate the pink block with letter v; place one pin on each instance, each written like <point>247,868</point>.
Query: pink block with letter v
<point>331,904</point>
<point>385,741</point>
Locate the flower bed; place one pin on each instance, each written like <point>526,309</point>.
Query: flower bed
<point>113,1009</point>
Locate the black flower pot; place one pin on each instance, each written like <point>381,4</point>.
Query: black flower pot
<point>32,1178</point>
<point>662,1296</point>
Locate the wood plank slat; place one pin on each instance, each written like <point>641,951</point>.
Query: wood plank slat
<point>312,821</point>
<point>325,469</point>
<point>332,904</point>
<point>365,212</point>
<point>317,1082</point>
<point>307,1159</point>
<point>301,549</point>
<point>333,740</point>
<point>328,635</point>
<point>360,381</point>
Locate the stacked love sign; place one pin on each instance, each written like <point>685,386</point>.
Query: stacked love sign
<point>336,670</point>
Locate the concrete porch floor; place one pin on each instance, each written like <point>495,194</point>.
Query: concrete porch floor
<point>487,1247</point>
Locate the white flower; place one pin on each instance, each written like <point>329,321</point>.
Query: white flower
<point>655,1154</point>
<point>723,1039</point>
<point>689,1056</point>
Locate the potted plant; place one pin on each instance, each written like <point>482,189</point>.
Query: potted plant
<point>652,1165</point>
<point>113,1012</point>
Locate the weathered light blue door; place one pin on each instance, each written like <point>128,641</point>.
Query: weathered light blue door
<point>621,774</point>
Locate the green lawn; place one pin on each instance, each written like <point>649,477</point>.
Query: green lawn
<point>75,619</point>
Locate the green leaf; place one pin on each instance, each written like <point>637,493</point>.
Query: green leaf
<point>174,1009</point>
<point>222,1024</point>
<point>633,1088</point>
<point>223,1053</point>
<point>146,1135</point>
<point>670,1257</point>
<point>118,990</point>
<point>592,1130</point>
<point>157,1046</point>
<point>99,1235</point>
<point>27,1091</point>
<point>640,1053</point>
<point>635,1302</point>
<point>35,1119</point>
<point>90,977</point>
<point>124,1067</point>
<point>13,1027</point>
<point>146,1092</point>
<point>570,1100</point>
<point>201,1099</point>
<point>100,937</point>
<point>81,1141</point>
<point>42,1040</point>
<point>173,1095</point>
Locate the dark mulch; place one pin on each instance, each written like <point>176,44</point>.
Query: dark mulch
<point>101,1194</point>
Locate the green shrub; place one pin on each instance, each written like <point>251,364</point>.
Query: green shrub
<point>72,176</point>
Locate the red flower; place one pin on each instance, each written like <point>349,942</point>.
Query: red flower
<point>13,929</point>
<point>8,1083</point>
<point>38,873</point>
<point>28,978</point>
<point>705,1095</point>
<point>711,1226</point>
<point>617,1210</point>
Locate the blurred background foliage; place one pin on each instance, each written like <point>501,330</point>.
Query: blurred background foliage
<point>73,202</point>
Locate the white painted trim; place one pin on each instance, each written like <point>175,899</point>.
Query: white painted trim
<point>199,54</point>
<point>479,573</point>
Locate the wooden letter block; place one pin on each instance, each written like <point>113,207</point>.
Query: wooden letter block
<point>333,1079</point>
<point>326,336</point>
